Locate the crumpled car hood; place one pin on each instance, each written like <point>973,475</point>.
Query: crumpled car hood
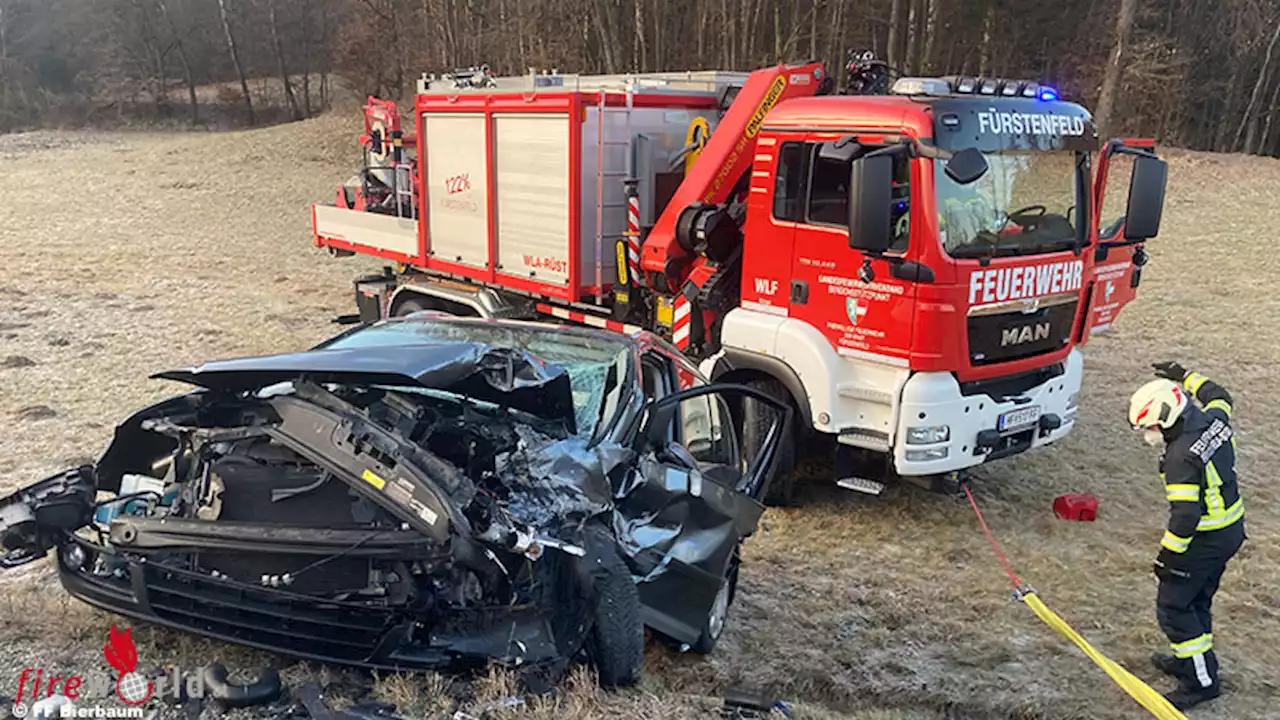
<point>503,376</point>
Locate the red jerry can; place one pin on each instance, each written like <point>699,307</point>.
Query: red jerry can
<point>1078,506</point>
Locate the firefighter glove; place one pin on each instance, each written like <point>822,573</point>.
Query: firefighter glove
<point>1170,370</point>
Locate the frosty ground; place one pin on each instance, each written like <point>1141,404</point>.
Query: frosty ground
<point>126,254</point>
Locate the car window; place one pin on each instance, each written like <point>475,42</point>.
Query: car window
<point>707,431</point>
<point>654,376</point>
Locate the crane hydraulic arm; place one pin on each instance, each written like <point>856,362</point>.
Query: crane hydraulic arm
<point>726,157</point>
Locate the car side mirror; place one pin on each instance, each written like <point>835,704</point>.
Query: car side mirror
<point>1146,198</point>
<point>871,203</point>
<point>966,166</point>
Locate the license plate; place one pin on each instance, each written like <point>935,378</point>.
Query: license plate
<point>1020,418</point>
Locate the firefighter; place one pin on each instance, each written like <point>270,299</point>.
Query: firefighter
<point>1206,518</point>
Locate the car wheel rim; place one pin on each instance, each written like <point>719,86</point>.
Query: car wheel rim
<point>719,609</point>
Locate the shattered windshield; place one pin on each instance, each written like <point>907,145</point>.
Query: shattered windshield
<point>598,367</point>
<point>1026,203</point>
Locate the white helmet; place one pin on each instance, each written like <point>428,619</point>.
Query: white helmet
<point>1158,404</point>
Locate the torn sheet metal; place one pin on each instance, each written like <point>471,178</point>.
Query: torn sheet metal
<point>504,376</point>
<point>558,485</point>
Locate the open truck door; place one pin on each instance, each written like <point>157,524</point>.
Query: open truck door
<point>1128,201</point>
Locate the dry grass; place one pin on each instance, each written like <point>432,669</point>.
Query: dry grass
<point>122,255</point>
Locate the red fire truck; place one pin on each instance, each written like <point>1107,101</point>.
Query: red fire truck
<point>912,266</point>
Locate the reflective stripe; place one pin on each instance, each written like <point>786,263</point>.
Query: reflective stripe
<point>1174,543</point>
<point>1214,506</point>
<point>1195,646</point>
<point>1234,514</point>
<point>1182,493</point>
<point>1219,404</point>
<point>1194,381</point>
<point>1202,668</point>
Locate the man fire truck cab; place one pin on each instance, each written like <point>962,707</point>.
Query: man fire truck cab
<point>913,271</point>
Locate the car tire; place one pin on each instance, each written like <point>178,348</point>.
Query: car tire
<point>713,626</point>
<point>616,643</point>
<point>756,419</point>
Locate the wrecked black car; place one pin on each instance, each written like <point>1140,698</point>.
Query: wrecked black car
<point>421,492</point>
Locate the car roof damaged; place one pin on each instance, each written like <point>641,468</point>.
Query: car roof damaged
<point>500,375</point>
<point>419,493</point>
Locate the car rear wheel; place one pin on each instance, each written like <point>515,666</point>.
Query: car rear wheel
<point>616,644</point>
<point>757,418</point>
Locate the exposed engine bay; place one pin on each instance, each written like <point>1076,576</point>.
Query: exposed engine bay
<point>386,519</point>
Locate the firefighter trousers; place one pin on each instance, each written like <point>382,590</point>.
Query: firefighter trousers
<point>1184,604</point>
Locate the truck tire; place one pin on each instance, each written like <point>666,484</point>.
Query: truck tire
<point>616,644</point>
<point>756,420</point>
<point>411,305</point>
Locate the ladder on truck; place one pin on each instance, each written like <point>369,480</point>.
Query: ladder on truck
<point>602,175</point>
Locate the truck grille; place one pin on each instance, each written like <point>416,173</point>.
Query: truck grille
<point>1009,333</point>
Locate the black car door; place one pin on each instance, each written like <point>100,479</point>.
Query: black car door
<point>689,503</point>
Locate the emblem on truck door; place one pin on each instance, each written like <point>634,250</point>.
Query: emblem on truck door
<point>856,309</point>
<point>1020,334</point>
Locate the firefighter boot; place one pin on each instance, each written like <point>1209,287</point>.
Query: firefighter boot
<point>1185,698</point>
<point>1167,664</point>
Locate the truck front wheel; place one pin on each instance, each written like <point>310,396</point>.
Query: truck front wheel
<point>756,420</point>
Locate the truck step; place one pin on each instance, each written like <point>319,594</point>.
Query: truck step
<point>862,485</point>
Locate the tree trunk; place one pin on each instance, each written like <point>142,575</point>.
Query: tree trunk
<point>1264,143</point>
<point>813,29</point>
<point>659,60</point>
<point>1258,88</point>
<point>897,19</point>
<point>278,49</point>
<point>182,58</point>
<point>988,30</point>
<point>909,56</point>
<point>931,10</point>
<point>1115,68</point>
<point>306,58</point>
<point>235,60</point>
<point>606,38</point>
<point>640,48</point>
<point>777,33</point>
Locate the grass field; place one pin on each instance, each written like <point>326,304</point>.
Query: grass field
<point>125,254</point>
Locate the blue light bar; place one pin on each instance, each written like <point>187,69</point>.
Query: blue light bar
<point>1048,93</point>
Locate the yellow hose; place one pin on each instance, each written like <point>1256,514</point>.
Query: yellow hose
<point>1153,701</point>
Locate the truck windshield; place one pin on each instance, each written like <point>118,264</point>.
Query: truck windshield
<point>1026,203</point>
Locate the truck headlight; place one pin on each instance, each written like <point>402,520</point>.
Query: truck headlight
<point>927,454</point>
<point>1071,401</point>
<point>928,435</point>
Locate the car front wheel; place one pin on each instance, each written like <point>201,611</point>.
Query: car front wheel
<point>713,626</point>
<point>616,644</point>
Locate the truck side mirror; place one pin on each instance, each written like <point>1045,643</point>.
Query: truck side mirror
<point>966,166</point>
<point>871,203</point>
<point>1146,198</point>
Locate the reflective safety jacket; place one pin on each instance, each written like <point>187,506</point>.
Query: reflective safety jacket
<point>1206,513</point>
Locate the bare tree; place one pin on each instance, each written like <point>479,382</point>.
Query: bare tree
<point>1115,66</point>
<point>897,21</point>
<point>1250,119</point>
<point>181,49</point>
<point>235,60</point>
<point>280,63</point>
